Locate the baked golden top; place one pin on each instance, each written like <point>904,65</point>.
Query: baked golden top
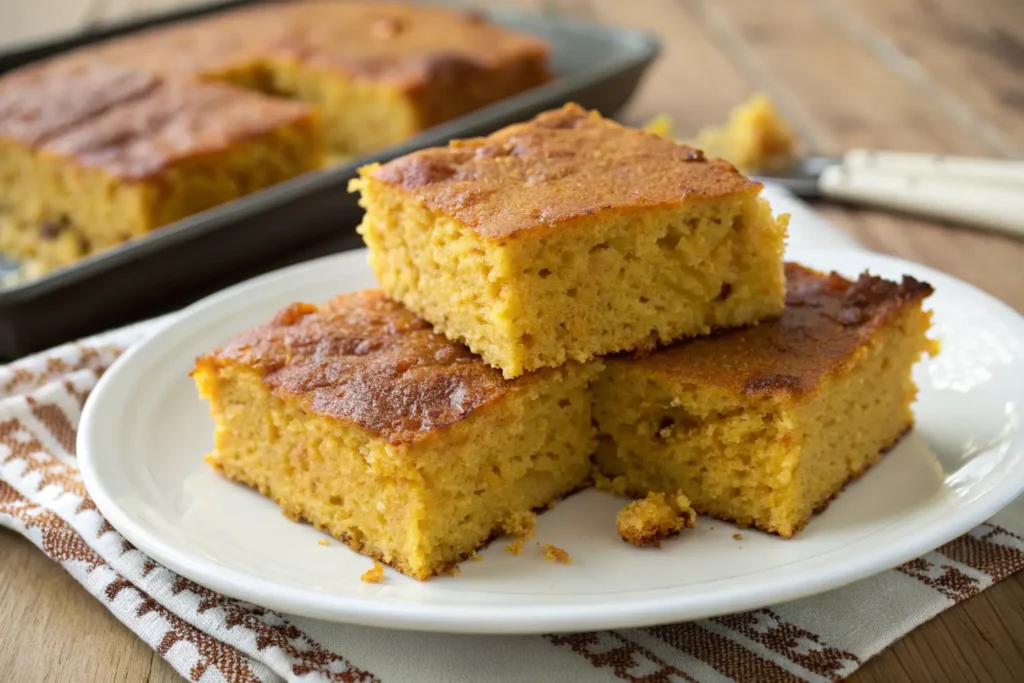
<point>826,319</point>
<point>564,164</point>
<point>155,121</point>
<point>38,103</point>
<point>363,358</point>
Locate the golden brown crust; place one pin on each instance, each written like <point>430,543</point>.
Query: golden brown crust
<point>826,319</point>
<point>406,45</point>
<point>144,135</point>
<point>563,165</point>
<point>38,103</point>
<point>365,359</point>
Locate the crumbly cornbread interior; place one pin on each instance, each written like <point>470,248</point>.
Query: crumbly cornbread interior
<point>420,506</point>
<point>765,461</point>
<point>604,284</point>
<point>658,516</point>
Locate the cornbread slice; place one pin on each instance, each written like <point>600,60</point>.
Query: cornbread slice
<point>764,425</point>
<point>99,154</point>
<point>357,417</point>
<point>569,237</point>
<point>649,521</point>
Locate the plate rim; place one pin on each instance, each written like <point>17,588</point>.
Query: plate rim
<point>369,610</point>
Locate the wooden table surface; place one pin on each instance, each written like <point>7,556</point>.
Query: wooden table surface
<point>931,75</point>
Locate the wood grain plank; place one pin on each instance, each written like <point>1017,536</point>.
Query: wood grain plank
<point>933,651</point>
<point>848,95</point>
<point>971,55</point>
<point>52,630</point>
<point>677,84</point>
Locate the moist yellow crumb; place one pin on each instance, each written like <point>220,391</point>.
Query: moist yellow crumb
<point>374,574</point>
<point>454,571</point>
<point>552,553</point>
<point>476,557</point>
<point>646,523</point>
<point>515,547</point>
<point>520,524</point>
<point>737,537</point>
<point>323,541</point>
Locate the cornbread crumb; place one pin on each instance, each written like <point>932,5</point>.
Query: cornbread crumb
<point>753,137</point>
<point>476,557</point>
<point>553,553</point>
<point>374,574</point>
<point>323,541</point>
<point>646,523</point>
<point>661,125</point>
<point>455,570</point>
<point>515,547</point>
<point>737,537</point>
<point>520,524</point>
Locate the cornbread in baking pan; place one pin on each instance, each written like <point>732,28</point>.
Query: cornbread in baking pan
<point>112,140</point>
<point>357,417</point>
<point>568,237</point>
<point>764,425</point>
<point>379,71</point>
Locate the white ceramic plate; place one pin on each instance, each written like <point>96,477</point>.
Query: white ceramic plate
<point>144,434</point>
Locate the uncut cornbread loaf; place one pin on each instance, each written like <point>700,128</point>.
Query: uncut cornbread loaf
<point>355,416</point>
<point>763,426</point>
<point>113,140</point>
<point>570,236</point>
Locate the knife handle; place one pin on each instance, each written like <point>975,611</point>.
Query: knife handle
<point>1005,171</point>
<point>981,193</point>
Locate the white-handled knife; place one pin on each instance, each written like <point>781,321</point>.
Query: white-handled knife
<point>975,192</point>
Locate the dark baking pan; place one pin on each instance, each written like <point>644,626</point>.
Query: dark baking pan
<point>310,215</point>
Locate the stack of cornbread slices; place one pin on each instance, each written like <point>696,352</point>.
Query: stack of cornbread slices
<point>564,302</point>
